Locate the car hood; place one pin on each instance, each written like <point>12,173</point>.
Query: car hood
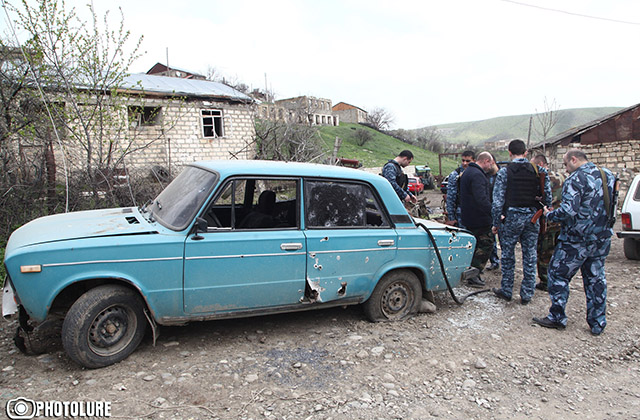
<point>81,224</point>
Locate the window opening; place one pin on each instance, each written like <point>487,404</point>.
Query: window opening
<point>212,126</point>
<point>341,204</point>
<point>256,204</point>
<point>144,115</point>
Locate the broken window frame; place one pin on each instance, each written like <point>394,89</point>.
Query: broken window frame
<point>144,116</point>
<point>215,128</point>
<point>373,195</point>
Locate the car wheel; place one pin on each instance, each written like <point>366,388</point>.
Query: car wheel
<point>396,296</point>
<point>632,248</point>
<point>104,326</point>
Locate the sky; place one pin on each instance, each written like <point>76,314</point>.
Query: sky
<point>426,62</point>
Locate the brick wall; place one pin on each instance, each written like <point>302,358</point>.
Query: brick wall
<point>177,138</point>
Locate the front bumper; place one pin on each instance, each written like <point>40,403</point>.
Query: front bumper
<point>9,303</point>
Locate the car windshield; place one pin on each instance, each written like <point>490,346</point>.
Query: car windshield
<point>177,205</point>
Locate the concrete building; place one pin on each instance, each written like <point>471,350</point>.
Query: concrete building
<point>349,113</point>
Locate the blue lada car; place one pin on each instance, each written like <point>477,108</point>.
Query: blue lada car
<point>227,239</point>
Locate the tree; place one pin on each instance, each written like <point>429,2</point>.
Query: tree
<point>81,68</point>
<point>546,120</point>
<point>430,138</point>
<point>287,141</point>
<point>380,118</point>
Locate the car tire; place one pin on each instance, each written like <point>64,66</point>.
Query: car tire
<point>396,296</point>
<point>104,326</point>
<point>632,248</point>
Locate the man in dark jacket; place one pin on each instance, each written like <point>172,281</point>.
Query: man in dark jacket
<point>392,170</point>
<point>475,207</point>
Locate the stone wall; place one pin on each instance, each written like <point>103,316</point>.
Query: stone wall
<point>621,156</point>
<point>353,115</point>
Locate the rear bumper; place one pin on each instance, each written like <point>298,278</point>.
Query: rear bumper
<point>634,234</point>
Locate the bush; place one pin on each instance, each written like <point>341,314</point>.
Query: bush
<point>362,136</point>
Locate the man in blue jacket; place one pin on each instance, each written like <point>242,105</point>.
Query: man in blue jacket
<point>453,197</point>
<point>475,210</point>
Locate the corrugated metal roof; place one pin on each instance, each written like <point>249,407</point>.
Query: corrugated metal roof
<point>578,130</point>
<point>181,87</point>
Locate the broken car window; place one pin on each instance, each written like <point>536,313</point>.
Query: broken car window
<point>341,204</point>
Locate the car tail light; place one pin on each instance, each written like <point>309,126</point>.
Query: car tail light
<point>626,221</point>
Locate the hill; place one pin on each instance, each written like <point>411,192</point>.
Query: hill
<point>377,151</point>
<point>516,126</point>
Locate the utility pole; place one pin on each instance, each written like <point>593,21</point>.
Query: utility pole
<point>529,134</point>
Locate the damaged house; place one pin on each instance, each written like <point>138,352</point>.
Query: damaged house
<point>183,120</point>
<point>612,141</point>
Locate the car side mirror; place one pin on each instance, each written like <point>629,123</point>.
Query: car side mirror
<point>200,226</point>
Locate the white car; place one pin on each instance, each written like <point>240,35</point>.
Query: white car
<point>631,221</point>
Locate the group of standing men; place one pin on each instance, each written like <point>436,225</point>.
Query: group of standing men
<point>508,202</point>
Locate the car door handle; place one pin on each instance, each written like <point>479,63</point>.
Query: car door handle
<point>294,246</point>
<point>386,242</point>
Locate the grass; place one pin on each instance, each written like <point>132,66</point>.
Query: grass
<point>376,152</point>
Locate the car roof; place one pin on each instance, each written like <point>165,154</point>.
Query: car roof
<point>228,168</point>
<point>267,167</point>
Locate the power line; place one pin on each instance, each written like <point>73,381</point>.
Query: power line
<point>572,13</point>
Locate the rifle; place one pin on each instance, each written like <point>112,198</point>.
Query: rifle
<point>538,215</point>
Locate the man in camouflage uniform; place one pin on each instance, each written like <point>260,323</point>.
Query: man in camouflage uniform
<point>516,194</point>
<point>547,239</point>
<point>453,201</point>
<point>494,259</point>
<point>584,241</point>
<point>475,210</point>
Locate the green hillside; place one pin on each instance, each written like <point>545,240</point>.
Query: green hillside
<point>379,149</point>
<point>516,126</point>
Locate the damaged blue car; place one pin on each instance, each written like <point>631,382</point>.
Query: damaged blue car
<point>227,239</point>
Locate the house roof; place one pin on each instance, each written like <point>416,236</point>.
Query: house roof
<point>341,106</point>
<point>175,86</point>
<point>578,130</point>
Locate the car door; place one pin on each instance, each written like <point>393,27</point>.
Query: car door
<point>349,238</point>
<point>253,253</point>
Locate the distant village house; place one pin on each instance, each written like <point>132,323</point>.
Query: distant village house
<point>349,113</point>
<point>299,110</point>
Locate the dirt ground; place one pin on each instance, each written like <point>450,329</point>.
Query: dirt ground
<point>482,360</point>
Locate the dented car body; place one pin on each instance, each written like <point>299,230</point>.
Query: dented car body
<point>227,239</point>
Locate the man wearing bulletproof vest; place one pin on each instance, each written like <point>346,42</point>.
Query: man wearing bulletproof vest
<point>520,190</point>
<point>392,171</point>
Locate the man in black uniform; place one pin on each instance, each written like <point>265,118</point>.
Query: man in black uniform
<point>475,209</point>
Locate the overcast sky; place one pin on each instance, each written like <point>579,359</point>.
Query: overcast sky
<point>427,62</point>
